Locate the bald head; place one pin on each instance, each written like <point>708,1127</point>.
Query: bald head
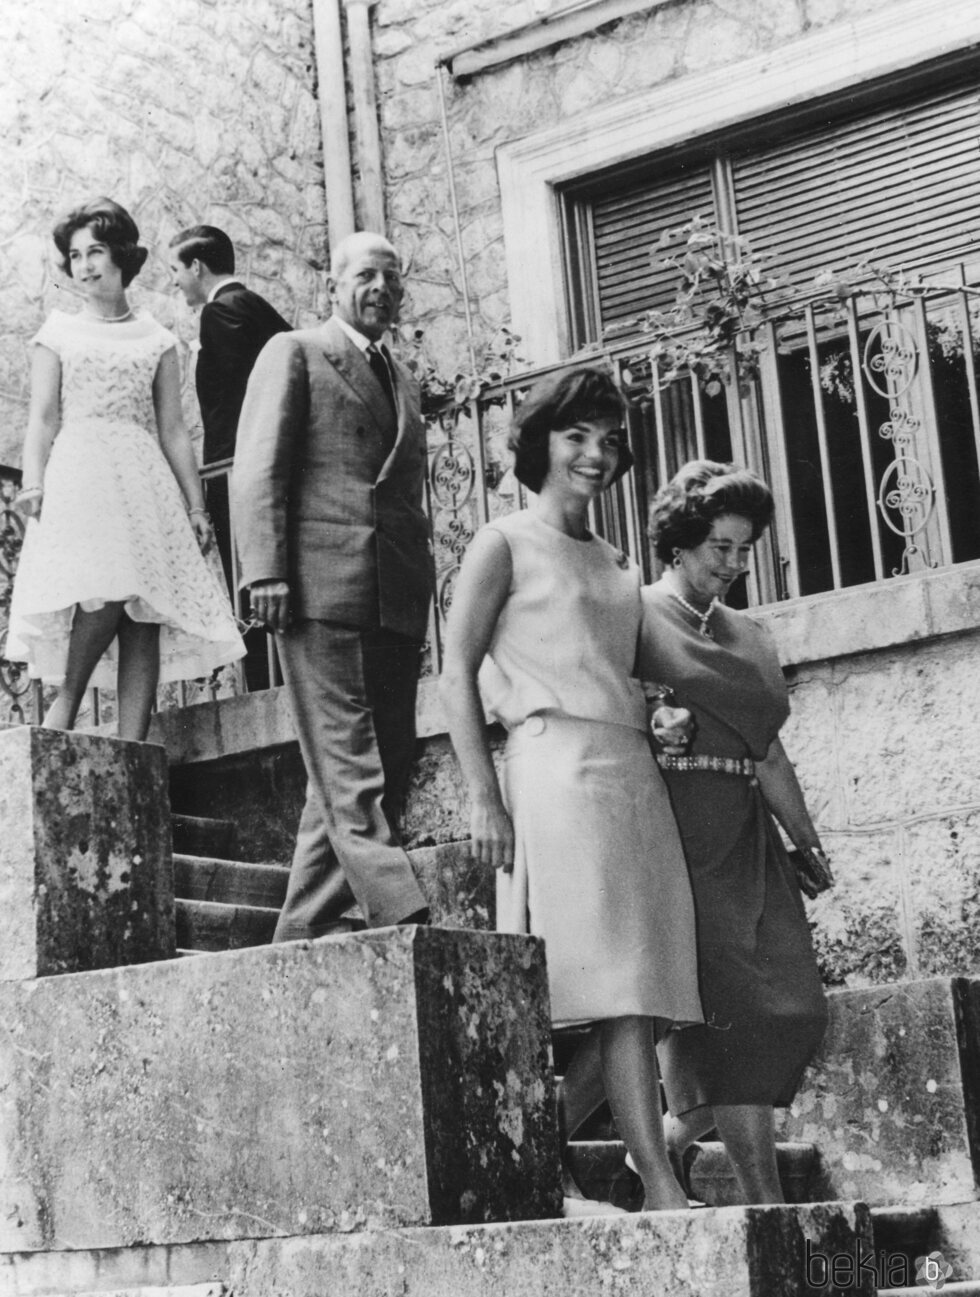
<point>365,283</point>
<point>363,241</point>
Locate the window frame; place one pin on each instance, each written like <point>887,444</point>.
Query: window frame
<point>900,44</point>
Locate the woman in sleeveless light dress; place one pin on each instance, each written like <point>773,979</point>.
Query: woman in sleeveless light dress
<point>112,586</point>
<point>544,620</point>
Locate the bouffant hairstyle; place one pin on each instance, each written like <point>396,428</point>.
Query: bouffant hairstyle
<point>207,244</point>
<point>111,225</point>
<point>684,511</point>
<point>560,401</point>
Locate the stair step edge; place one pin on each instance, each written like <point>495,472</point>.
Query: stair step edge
<point>952,1288</point>
<point>200,821</point>
<point>168,1290</point>
<point>903,1215</point>
<point>790,1148</point>
<point>224,862</point>
<point>221,908</point>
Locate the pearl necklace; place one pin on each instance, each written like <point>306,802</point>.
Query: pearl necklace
<point>701,616</point>
<point>110,319</point>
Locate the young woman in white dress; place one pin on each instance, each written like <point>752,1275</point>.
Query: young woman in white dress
<point>113,586</point>
<point>544,622</point>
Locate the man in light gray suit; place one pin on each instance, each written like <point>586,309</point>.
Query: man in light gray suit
<point>335,551</point>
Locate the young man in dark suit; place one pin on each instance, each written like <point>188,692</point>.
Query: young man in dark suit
<point>235,325</point>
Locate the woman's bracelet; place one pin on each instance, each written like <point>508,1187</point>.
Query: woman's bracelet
<point>203,512</point>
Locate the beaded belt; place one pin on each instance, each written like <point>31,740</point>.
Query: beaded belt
<point>723,765</point>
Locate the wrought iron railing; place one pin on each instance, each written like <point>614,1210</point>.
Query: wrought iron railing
<point>863,414</point>
<point>20,699</point>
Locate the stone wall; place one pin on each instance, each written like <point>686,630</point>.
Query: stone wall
<point>183,110</point>
<point>206,110</point>
<point>887,748</point>
<point>884,691</point>
<point>668,41</point>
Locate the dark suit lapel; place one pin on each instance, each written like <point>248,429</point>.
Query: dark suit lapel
<point>353,367</point>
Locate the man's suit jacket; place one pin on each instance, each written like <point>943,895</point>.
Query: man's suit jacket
<point>327,486</point>
<point>235,326</point>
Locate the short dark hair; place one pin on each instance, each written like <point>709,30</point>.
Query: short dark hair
<point>208,244</point>
<point>112,225</point>
<point>560,401</point>
<point>684,511</point>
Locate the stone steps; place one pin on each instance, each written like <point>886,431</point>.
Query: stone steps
<point>892,1099</point>
<point>908,1230</point>
<point>207,927</point>
<point>229,904</point>
<point>221,903</point>
<point>952,1288</point>
<point>951,1230</point>
<point>731,1252</point>
<point>600,1169</point>
<point>229,882</point>
<point>381,1080</point>
<point>181,1290</point>
<point>198,835</point>
<point>376,1114</point>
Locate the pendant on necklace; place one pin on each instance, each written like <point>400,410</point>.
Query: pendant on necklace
<point>702,617</point>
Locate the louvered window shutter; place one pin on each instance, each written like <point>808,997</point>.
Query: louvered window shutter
<point>626,227</point>
<point>899,186</point>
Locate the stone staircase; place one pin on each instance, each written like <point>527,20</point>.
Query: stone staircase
<point>373,1115</point>
<point>222,903</point>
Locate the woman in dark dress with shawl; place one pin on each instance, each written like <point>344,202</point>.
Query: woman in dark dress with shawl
<point>764,1006</point>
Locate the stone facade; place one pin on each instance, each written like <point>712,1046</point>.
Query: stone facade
<point>887,753</point>
<point>646,49</point>
<point>185,112</point>
<point>882,683</point>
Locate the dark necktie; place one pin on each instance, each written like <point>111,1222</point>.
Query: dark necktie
<point>382,372</point>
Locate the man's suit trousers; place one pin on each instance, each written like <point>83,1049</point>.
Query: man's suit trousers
<point>353,696</point>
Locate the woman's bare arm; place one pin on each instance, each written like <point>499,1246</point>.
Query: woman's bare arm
<point>176,445</point>
<point>42,425</point>
<point>481,591</point>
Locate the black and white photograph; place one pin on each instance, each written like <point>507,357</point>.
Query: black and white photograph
<point>490,648</point>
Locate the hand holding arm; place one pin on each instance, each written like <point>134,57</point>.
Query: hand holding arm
<point>672,728</point>
<point>480,594</point>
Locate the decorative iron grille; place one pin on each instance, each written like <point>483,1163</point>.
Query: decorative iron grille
<point>19,696</point>
<point>863,415</point>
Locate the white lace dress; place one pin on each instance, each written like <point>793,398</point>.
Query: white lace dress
<point>114,524</point>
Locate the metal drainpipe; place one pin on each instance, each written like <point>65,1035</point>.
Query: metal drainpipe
<point>337,178</point>
<point>368,134</point>
<point>451,176</point>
